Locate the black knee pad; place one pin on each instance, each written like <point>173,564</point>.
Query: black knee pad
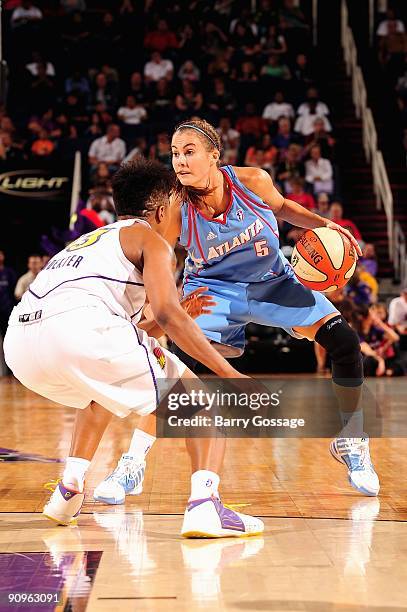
<point>343,346</point>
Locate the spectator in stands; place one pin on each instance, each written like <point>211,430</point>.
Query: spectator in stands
<point>251,127</point>
<point>9,152</point>
<point>377,344</point>
<point>42,90</point>
<point>302,77</point>
<point>310,122</point>
<point>398,317</point>
<point>292,15</point>
<point>189,43</point>
<point>75,38</point>
<point>220,102</point>
<point>285,135</point>
<point>275,72</point>
<point>318,172</point>
<point>320,137</point>
<point>336,214</point>
<point>230,139</point>
<point>298,194</point>
<point>358,291</point>
<point>140,149</point>
<point>136,86</point>
<point>25,14</point>
<point>95,128</point>
<point>189,101</point>
<point>37,59</point>
<point>8,280</point>
<point>313,104</point>
<point>291,167</point>
<point>323,204</point>
<point>34,265</point>
<point>189,71</point>
<point>101,203</point>
<point>104,93</point>
<point>273,43</point>
<point>73,6</point>
<point>132,112</point>
<point>161,150</point>
<point>263,154</point>
<point>161,104</point>
<point>390,24</point>
<point>158,68</point>
<point>369,259</point>
<point>220,66</point>
<point>43,145</point>
<point>369,280</point>
<point>392,49</point>
<point>162,39</point>
<point>213,40</point>
<point>101,175</point>
<point>279,108</point>
<point>79,84</point>
<point>110,149</point>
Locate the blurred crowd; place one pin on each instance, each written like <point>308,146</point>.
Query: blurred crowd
<point>111,80</point>
<point>391,38</point>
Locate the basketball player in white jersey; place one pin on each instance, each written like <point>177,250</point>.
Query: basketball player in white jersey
<point>74,339</point>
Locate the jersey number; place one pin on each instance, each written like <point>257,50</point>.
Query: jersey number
<point>87,239</point>
<point>261,248</point>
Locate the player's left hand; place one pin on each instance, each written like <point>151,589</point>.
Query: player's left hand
<point>346,233</point>
<point>196,304</point>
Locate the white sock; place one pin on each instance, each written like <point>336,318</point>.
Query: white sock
<point>140,444</point>
<point>74,473</point>
<point>204,483</point>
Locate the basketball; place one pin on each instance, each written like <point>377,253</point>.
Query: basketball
<point>323,259</point>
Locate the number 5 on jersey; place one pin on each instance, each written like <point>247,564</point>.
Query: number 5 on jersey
<point>87,239</point>
<point>261,248</point>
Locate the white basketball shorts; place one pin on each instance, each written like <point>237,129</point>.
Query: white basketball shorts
<point>89,354</point>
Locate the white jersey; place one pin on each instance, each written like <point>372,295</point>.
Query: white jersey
<point>93,267</point>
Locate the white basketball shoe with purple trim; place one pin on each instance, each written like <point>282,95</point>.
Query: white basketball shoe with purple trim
<point>209,518</point>
<point>64,504</point>
<point>354,454</point>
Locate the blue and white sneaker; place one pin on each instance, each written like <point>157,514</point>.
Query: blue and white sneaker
<point>354,453</point>
<point>126,479</point>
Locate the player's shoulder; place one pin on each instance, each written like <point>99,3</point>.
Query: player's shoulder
<point>252,177</point>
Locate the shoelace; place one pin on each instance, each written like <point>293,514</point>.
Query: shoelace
<point>124,469</point>
<point>360,460</point>
<point>52,484</point>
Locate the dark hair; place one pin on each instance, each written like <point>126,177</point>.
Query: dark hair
<point>211,141</point>
<point>140,186</point>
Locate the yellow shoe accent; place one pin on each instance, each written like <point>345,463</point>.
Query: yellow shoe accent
<point>52,484</point>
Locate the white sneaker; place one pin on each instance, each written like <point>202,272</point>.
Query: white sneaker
<point>209,518</point>
<point>354,453</point>
<point>126,479</point>
<point>64,504</point>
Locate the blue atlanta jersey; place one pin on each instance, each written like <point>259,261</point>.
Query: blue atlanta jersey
<point>240,246</point>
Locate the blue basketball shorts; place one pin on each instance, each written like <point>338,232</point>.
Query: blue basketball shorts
<point>282,302</point>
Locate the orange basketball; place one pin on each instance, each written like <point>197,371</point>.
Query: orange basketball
<point>323,259</point>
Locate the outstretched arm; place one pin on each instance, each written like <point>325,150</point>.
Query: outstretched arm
<point>260,182</point>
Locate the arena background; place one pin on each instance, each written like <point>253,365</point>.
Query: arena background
<point>86,84</point>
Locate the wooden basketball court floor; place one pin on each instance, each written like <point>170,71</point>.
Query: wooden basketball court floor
<point>325,547</point>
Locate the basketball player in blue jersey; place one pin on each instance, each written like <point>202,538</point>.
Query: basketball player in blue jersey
<point>225,217</point>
